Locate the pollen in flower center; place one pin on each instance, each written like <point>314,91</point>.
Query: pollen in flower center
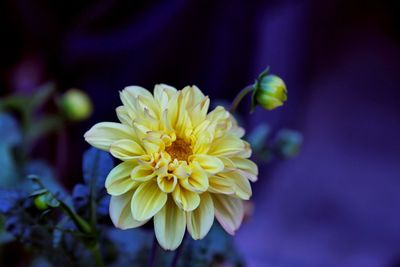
<point>179,149</point>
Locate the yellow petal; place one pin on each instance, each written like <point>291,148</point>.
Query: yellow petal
<point>167,183</point>
<point>142,173</point>
<point>200,220</point>
<point>191,96</point>
<point>148,120</point>
<point>136,98</point>
<point>219,184</point>
<point>185,199</point>
<point>209,163</point>
<point>147,201</point>
<point>162,94</point>
<point>169,226</point>
<point>220,118</point>
<point>236,129</point>
<point>202,142</point>
<point>165,123</point>
<point>126,150</point>
<point>197,181</point>
<point>183,123</point>
<point>228,145</point>
<point>153,145</point>
<point>246,152</point>
<point>135,91</point>
<point>240,182</point>
<point>182,171</point>
<point>129,97</point>
<point>248,166</point>
<point>103,134</point>
<point>119,179</point>
<point>229,212</point>
<point>124,115</point>
<point>198,113</point>
<point>173,109</point>
<point>120,212</point>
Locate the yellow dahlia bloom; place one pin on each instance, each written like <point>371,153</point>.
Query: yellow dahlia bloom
<point>180,165</point>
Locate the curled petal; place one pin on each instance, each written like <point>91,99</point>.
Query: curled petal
<point>142,173</point>
<point>169,226</point>
<point>185,199</point>
<point>103,134</point>
<point>197,181</point>
<point>119,179</point>
<point>147,201</point>
<point>246,165</point>
<point>124,115</point>
<point>182,171</point>
<point>229,212</point>
<point>208,163</point>
<point>246,152</point>
<point>167,183</point>
<point>126,149</point>
<point>134,91</point>
<point>228,145</point>
<point>153,145</point>
<point>162,94</point>
<point>120,212</point>
<point>221,185</point>
<point>200,220</point>
<point>239,182</point>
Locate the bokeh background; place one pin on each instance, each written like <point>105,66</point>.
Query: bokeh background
<point>338,202</point>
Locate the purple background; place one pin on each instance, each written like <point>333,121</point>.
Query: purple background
<point>338,202</point>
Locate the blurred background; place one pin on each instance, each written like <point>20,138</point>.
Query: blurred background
<point>338,202</point>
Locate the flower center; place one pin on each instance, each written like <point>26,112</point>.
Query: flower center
<point>179,150</point>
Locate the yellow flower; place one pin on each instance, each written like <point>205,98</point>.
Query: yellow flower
<point>181,165</point>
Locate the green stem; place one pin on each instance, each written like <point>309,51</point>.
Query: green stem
<point>240,97</point>
<point>82,225</point>
<point>97,255</point>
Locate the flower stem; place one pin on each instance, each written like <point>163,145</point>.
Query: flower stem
<point>178,252</point>
<point>153,251</point>
<point>97,256</point>
<point>240,97</point>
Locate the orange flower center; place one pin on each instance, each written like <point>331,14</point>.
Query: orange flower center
<point>179,150</point>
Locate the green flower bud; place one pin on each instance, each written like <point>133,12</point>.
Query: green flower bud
<point>270,91</point>
<point>40,202</point>
<point>76,105</point>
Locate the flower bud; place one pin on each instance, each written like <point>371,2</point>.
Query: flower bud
<point>76,105</point>
<point>40,202</point>
<point>270,91</point>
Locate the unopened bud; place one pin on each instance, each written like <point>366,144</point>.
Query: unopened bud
<point>40,202</point>
<point>76,105</point>
<point>270,91</point>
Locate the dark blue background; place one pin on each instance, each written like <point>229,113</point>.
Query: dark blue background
<point>338,202</point>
